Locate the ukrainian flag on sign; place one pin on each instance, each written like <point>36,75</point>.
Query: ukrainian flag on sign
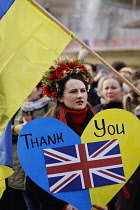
<point>29,42</point>
<point>6,159</point>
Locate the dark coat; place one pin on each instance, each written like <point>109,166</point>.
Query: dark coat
<point>101,107</point>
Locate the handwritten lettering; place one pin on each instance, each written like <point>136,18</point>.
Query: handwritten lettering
<point>39,141</point>
<point>103,129</point>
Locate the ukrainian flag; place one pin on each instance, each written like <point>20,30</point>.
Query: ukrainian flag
<point>29,42</point>
<point>6,158</point>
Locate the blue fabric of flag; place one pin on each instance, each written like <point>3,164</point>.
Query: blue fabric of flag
<point>6,158</point>
<point>4,6</point>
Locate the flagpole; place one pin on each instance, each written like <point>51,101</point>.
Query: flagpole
<point>85,46</point>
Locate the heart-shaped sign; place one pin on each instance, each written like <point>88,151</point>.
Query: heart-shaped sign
<point>45,133</point>
<point>115,124</point>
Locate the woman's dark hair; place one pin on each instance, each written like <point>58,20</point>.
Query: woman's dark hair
<point>118,65</point>
<point>39,85</point>
<point>93,67</point>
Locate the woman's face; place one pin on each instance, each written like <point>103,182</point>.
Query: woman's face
<point>74,95</point>
<point>35,94</point>
<point>112,91</point>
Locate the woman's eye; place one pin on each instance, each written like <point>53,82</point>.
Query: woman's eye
<point>73,91</point>
<point>84,90</point>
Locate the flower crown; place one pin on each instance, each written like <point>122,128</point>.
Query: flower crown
<point>61,69</point>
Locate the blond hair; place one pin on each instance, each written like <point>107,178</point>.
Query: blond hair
<point>101,81</point>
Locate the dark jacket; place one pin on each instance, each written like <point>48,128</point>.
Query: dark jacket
<point>101,107</point>
<point>46,200</point>
<point>93,98</point>
<point>133,187</point>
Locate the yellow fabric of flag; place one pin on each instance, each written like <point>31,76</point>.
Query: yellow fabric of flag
<point>5,172</point>
<point>29,42</point>
<point>6,157</point>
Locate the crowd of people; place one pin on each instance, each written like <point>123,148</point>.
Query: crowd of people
<point>77,91</point>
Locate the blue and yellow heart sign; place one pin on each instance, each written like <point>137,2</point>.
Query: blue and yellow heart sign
<point>82,170</point>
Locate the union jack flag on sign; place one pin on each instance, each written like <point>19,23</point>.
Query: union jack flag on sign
<point>83,166</point>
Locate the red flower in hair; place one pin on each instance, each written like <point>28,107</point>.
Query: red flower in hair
<point>49,91</point>
<point>84,70</point>
<point>61,69</point>
<point>90,80</point>
<point>53,77</point>
<point>73,65</point>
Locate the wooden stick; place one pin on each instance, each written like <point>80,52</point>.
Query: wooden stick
<point>85,46</point>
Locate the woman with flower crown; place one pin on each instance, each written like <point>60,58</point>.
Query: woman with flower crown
<point>68,82</point>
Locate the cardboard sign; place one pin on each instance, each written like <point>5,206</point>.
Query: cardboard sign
<point>43,134</point>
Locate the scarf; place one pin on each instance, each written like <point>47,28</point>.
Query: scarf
<point>28,106</point>
<point>74,118</point>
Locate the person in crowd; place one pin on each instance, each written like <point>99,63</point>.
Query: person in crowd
<point>112,92</point>
<point>126,72</point>
<point>91,68</point>
<point>69,85</point>
<point>131,103</point>
<point>100,72</point>
<point>34,107</point>
<point>82,54</point>
<point>93,98</point>
<point>117,65</point>
<point>97,71</point>
<point>110,89</point>
<point>136,74</point>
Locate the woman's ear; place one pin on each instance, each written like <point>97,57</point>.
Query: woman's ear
<point>40,90</point>
<point>60,99</point>
<point>123,90</point>
<point>138,99</point>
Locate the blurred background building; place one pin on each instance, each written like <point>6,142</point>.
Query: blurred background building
<point>110,27</point>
